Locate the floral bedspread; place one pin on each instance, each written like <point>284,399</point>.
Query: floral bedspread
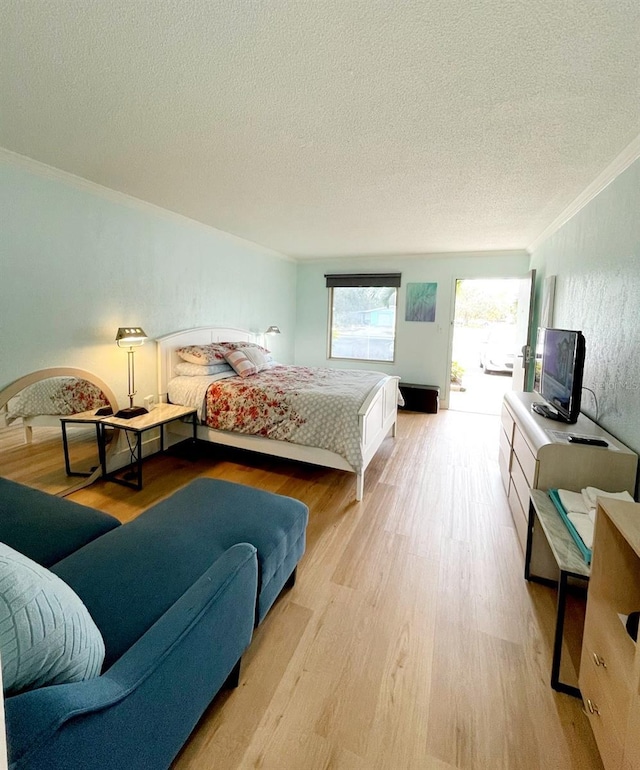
<point>310,406</point>
<point>56,396</point>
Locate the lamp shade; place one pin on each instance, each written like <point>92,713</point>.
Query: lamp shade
<point>273,330</point>
<point>128,336</point>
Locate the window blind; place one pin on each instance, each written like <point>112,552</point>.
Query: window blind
<point>362,279</point>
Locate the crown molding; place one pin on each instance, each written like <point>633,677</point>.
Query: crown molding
<point>389,258</point>
<point>114,196</point>
<point>621,163</point>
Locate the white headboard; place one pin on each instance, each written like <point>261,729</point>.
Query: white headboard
<point>169,343</point>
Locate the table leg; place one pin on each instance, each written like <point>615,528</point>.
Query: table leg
<point>529,548</point>
<point>65,444</point>
<point>102,448</point>
<point>139,457</point>
<point>556,684</point>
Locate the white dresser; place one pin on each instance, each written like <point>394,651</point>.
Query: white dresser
<point>535,454</point>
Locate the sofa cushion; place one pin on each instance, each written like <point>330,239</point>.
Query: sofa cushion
<point>44,527</point>
<point>129,577</point>
<point>46,633</point>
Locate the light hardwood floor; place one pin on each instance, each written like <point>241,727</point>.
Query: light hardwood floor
<point>41,462</point>
<point>411,640</point>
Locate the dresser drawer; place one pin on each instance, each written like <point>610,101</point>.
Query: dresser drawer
<point>505,447</point>
<point>526,458</point>
<point>603,652</point>
<point>503,466</point>
<point>504,459</point>
<point>506,420</point>
<point>607,730</point>
<point>632,742</point>
<point>520,482</point>
<point>519,517</point>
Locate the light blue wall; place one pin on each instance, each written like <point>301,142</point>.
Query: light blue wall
<point>596,258</point>
<point>77,264</point>
<point>422,349</point>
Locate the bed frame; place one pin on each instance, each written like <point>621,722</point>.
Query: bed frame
<point>46,420</point>
<point>377,417</point>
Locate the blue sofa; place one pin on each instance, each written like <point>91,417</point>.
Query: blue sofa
<point>175,593</point>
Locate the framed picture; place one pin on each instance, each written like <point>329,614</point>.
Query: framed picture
<point>421,302</point>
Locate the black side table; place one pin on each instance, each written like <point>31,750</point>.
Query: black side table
<point>83,418</point>
<point>156,418</point>
<point>570,563</point>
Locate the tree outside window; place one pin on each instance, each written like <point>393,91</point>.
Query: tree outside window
<point>363,322</point>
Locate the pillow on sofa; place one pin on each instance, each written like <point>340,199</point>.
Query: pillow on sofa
<point>46,633</point>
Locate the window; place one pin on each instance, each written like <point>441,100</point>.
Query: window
<point>363,316</point>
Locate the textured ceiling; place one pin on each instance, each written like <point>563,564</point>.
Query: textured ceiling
<point>330,127</point>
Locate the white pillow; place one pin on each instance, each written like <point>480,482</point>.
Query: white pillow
<point>202,355</point>
<point>46,633</point>
<point>198,370</point>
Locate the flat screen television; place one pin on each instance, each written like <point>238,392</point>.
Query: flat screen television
<point>558,373</point>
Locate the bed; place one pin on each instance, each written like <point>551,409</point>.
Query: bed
<point>43,402</point>
<point>374,417</point>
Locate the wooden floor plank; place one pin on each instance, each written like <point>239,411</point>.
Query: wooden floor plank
<point>410,640</point>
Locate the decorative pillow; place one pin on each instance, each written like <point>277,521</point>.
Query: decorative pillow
<point>242,346</point>
<point>214,352</point>
<point>258,357</point>
<point>46,633</point>
<point>241,364</point>
<point>185,369</point>
<point>204,355</point>
<point>78,395</point>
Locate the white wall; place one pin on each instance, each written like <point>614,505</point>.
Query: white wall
<point>78,262</point>
<point>596,258</point>
<point>422,349</point>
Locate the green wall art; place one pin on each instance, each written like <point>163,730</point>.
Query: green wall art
<point>421,302</point>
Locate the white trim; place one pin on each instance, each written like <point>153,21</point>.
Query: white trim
<point>388,259</point>
<point>86,185</point>
<point>621,163</point>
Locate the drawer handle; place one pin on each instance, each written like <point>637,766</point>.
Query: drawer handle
<point>599,660</point>
<point>593,709</point>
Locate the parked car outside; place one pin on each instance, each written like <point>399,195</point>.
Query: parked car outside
<point>497,353</point>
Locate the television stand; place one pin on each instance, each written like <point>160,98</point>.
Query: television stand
<point>531,456</point>
<point>546,411</point>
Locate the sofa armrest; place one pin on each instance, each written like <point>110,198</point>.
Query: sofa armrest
<point>139,712</point>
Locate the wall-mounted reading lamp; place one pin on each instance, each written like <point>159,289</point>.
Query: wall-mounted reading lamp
<point>273,330</point>
<point>130,337</point>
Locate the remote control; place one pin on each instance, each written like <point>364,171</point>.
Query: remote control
<point>589,441</point>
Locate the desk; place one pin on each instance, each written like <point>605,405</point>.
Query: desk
<point>157,418</point>
<point>570,565</point>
